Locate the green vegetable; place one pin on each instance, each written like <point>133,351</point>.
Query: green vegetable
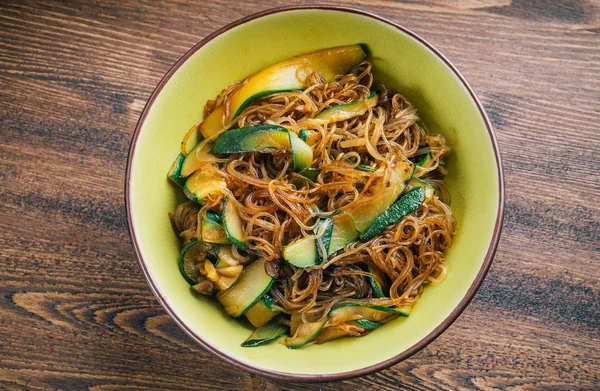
<point>203,183</point>
<point>405,205</point>
<point>196,158</point>
<point>303,134</point>
<point>379,281</point>
<point>232,223</point>
<point>265,334</point>
<point>367,324</point>
<point>191,254</point>
<point>175,171</point>
<point>302,252</point>
<point>265,138</point>
<point>305,333</point>
<point>365,213</point>
<point>346,111</point>
<point>302,153</point>
<point>260,138</point>
<point>249,289</point>
<point>324,233</point>
<point>262,312</point>
<point>311,173</point>
<point>212,231</point>
<point>344,232</point>
<point>364,167</point>
<point>287,75</point>
<point>428,187</point>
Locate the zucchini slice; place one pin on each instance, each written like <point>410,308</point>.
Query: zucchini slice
<point>175,171</point>
<point>232,223</point>
<point>302,154</point>
<point>428,187</point>
<point>425,165</point>
<point>196,158</point>
<point>324,233</point>
<point>311,173</point>
<point>262,312</point>
<point>302,252</point>
<point>260,138</point>
<point>265,138</point>
<point>225,256</point>
<point>405,205</point>
<point>305,333</point>
<point>346,111</point>
<point>379,282</point>
<point>250,288</point>
<point>303,134</point>
<point>347,313</point>
<point>344,232</point>
<point>367,324</point>
<point>265,334</point>
<point>204,286</point>
<point>329,334</point>
<point>191,255</point>
<point>202,184</point>
<point>365,213</point>
<point>212,231</point>
<point>364,167</point>
<point>287,75</point>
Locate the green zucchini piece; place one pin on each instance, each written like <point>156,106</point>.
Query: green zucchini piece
<point>287,75</point>
<point>260,138</point>
<point>329,334</point>
<point>405,205</point>
<point>305,333</point>
<point>250,288</point>
<point>175,171</point>
<point>225,256</point>
<point>214,217</point>
<point>191,254</point>
<point>202,284</point>
<point>324,233</point>
<point>302,153</point>
<point>303,134</point>
<point>428,187</point>
<point>302,252</point>
<point>367,324</point>
<point>364,214</point>
<point>346,111</point>
<point>424,165</point>
<point>344,232</point>
<point>265,138</point>
<point>311,173</point>
<point>366,315</point>
<point>213,232</point>
<point>265,334</point>
<point>232,223</point>
<point>191,139</point>
<point>364,167</point>
<point>379,281</point>
<point>262,312</point>
<point>196,158</point>
<point>426,160</point>
<point>201,184</point>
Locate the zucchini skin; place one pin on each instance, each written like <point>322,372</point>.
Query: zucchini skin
<point>405,205</point>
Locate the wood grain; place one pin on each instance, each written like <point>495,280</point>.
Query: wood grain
<point>75,311</point>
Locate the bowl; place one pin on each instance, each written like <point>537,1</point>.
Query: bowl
<point>402,59</point>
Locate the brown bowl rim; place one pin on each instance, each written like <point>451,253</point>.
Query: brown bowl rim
<point>357,372</point>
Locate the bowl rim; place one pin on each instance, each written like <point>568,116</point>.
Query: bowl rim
<point>277,375</point>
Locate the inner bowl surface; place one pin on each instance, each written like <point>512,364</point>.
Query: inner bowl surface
<point>405,62</point>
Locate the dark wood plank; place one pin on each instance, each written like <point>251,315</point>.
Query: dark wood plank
<point>75,312</point>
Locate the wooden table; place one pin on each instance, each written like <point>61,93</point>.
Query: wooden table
<point>75,311</point>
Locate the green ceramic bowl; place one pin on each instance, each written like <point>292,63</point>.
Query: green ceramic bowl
<point>404,61</point>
